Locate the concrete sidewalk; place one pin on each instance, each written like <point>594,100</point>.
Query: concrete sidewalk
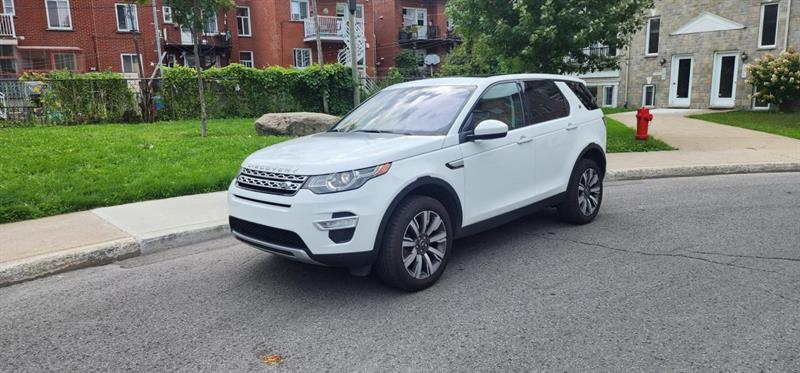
<point>41,247</point>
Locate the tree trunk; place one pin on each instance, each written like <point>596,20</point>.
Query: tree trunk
<point>200,88</point>
<point>321,61</point>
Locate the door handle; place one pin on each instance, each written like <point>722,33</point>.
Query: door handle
<point>571,126</point>
<point>524,140</point>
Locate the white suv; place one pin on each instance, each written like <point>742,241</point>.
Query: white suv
<point>396,181</point>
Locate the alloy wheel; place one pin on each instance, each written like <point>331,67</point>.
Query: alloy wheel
<point>589,191</point>
<point>424,244</point>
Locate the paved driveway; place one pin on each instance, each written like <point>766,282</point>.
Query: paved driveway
<point>676,274</point>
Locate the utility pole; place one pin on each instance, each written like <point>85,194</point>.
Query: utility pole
<point>319,59</point>
<point>158,33</point>
<point>354,54</point>
<point>197,26</point>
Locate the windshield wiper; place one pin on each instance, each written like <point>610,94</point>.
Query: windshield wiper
<point>379,131</point>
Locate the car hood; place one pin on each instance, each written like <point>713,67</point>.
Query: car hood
<point>329,152</point>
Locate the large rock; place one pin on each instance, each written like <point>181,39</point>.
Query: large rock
<point>294,124</point>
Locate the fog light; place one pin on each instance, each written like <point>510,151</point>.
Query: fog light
<point>338,223</point>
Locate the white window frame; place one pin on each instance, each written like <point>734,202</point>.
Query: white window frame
<point>247,63</point>
<point>613,96</point>
<point>69,16</point>
<point>294,57</point>
<point>647,37</point>
<point>298,16</point>
<point>8,4</point>
<point>207,22</point>
<point>644,96</point>
<point>249,21</point>
<point>754,103</point>
<point>135,16</point>
<point>166,10</point>
<point>74,60</point>
<point>345,6</point>
<point>122,62</point>
<point>761,25</point>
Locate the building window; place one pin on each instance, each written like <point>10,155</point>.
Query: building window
<point>58,14</point>
<point>246,58</point>
<point>130,63</point>
<point>768,34</point>
<point>299,9</point>
<point>609,96</point>
<point>653,30</point>
<point>243,21</point>
<point>8,61</point>
<point>341,10</point>
<point>8,6</point>
<point>758,104</point>
<point>127,18</point>
<point>35,60</point>
<point>302,57</point>
<point>649,96</point>
<point>64,61</point>
<point>166,14</point>
<point>210,24</point>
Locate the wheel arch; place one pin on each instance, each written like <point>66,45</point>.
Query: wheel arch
<point>595,153</point>
<point>428,186</point>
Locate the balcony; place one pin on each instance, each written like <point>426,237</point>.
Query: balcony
<point>331,28</point>
<point>424,37</point>
<point>7,29</point>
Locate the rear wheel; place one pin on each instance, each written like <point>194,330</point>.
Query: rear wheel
<point>584,194</point>
<point>416,244</point>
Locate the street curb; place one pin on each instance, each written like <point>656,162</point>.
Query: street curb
<point>686,171</point>
<point>101,254</point>
<point>44,265</point>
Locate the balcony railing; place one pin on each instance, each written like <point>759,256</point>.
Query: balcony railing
<point>7,25</point>
<point>330,27</point>
<point>419,33</point>
<point>600,51</point>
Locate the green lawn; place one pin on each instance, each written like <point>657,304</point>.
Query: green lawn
<point>784,124</point>
<point>53,170</point>
<point>615,110</point>
<point>621,139</point>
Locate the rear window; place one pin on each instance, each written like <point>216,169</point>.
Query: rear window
<point>544,101</point>
<point>586,97</point>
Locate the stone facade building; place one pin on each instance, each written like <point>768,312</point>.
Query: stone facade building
<point>693,54</point>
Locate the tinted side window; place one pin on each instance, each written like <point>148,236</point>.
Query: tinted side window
<point>544,101</point>
<point>501,102</point>
<point>583,93</point>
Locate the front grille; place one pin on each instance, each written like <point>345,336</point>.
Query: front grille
<point>267,234</point>
<point>270,182</point>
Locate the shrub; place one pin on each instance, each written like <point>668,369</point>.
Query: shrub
<point>777,79</point>
<point>238,91</point>
<point>75,98</point>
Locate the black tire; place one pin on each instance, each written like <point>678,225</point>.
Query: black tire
<point>390,265</point>
<point>571,210</point>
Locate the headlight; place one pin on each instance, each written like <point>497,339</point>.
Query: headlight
<point>347,180</point>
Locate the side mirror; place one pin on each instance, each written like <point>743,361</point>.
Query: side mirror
<point>489,129</point>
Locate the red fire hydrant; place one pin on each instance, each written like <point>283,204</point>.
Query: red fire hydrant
<point>643,118</point>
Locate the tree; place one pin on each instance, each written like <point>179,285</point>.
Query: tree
<point>546,36</point>
<point>190,13</point>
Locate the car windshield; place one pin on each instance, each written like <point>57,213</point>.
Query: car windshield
<point>408,111</point>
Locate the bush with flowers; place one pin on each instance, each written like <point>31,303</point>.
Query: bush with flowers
<point>777,79</point>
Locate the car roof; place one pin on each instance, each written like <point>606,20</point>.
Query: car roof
<point>480,81</point>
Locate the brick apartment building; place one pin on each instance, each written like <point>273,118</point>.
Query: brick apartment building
<point>417,25</point>
<point>100,35</point>
<point>693,54</point>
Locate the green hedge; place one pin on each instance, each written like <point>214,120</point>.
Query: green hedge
<point>76,98</point>
<point>238,91</point>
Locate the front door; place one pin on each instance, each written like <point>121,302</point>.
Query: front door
<point>680,91</point>
<point>723,82</point>
<point>499,173</point>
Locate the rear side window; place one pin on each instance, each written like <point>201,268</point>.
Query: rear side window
<point>501,102</point>
<point>583,93</point>
<point>544,101</point>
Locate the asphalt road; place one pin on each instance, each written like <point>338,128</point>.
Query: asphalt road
<point>685,274</point>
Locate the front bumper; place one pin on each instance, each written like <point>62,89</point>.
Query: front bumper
<point>285,225</point>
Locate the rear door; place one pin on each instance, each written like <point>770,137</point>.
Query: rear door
<point>549,119</point>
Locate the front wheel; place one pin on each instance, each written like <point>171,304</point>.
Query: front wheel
<point>584,194</point>
<point>416,244</point>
